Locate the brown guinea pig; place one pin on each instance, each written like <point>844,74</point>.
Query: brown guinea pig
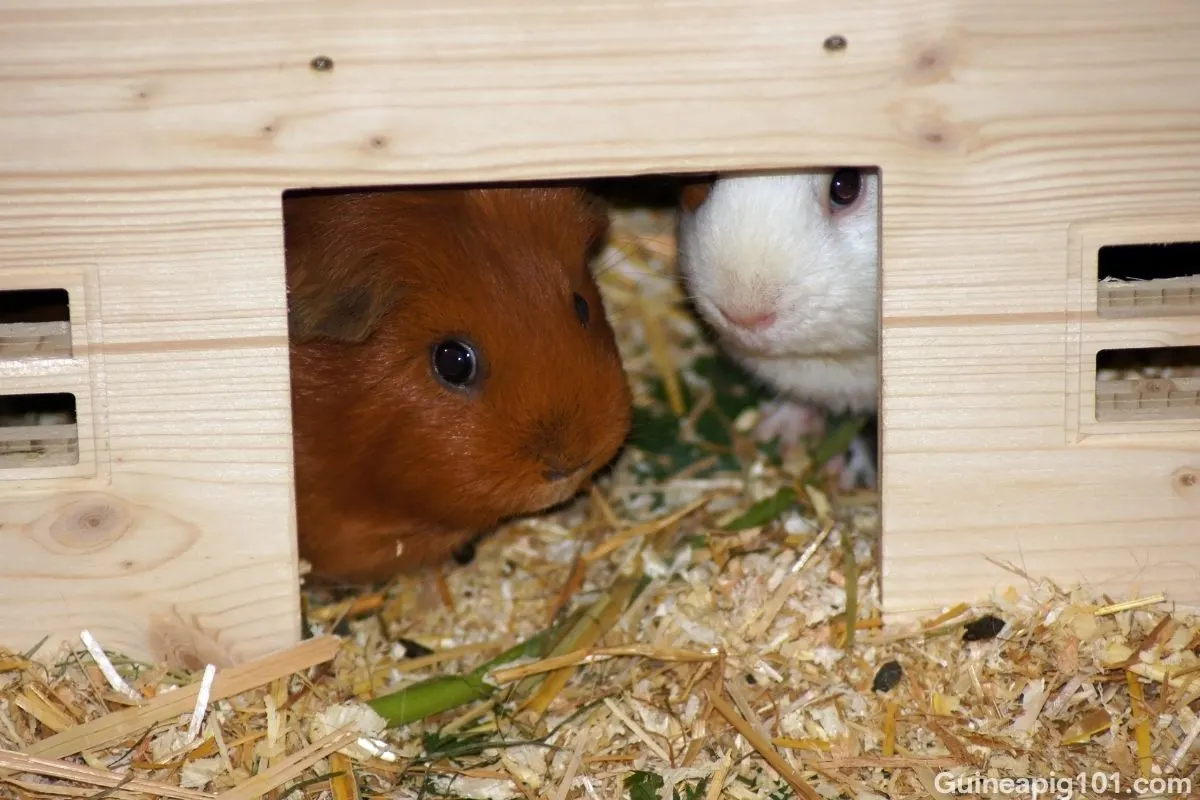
<point>452,367</point>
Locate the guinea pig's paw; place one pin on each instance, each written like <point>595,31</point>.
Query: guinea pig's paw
<point>789,421</point>
<point>855,467</point>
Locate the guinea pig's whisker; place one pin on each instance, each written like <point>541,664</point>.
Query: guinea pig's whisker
<point>635,270</point>
<point>630,250</point>
<point>636,265</point>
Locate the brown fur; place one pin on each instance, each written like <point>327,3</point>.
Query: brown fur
<point>384,453</point>
<point>693,193</point>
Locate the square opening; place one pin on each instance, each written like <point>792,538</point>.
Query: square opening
<point>1147,280</point>
<point>1148,383</point>
<point>35,323</point>
<point>38,430</point>
<point>696,402</point>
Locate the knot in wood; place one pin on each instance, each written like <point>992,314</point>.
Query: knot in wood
<point>89,525</point>
<point>931,126</point>
<point>835,43</point>
<point>931,65</point>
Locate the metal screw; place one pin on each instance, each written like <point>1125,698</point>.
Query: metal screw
<point>321,64</point>
<point>835,43</point>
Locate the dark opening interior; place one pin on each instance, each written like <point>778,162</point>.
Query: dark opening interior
<point>22,444</point>
<point>34,305</point>
<point>1148,383</point>
<point>1148,280</point>
<point>1149,361</point>
<point>1149,262</point>
<point>34,323</point>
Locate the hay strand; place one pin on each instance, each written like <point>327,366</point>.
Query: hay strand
<point>289,767</point>
<point>113,727</point>
<point>37,765</point>
<point>593,655</point>
<point>763,746</point>
<point>621,538</point>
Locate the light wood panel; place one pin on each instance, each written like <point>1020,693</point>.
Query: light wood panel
<point>172,536</point>
<point>145,145</point>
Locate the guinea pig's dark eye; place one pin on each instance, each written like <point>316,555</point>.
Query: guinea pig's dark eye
<point>845,186</point>
<point>454,362</point>
<point>581,309</point>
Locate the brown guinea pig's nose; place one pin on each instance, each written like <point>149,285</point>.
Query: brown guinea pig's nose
<point>554,473</point>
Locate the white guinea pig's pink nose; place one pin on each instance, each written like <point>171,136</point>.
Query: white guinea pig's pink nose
<point>751,321</point>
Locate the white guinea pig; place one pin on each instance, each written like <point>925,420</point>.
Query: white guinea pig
<point>784,267</point>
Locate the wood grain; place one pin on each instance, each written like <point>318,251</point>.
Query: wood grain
<point>145,146</point>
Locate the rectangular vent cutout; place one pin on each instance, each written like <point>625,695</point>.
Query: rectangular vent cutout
<point>35,323</point>
<point>1152,383</point>
<point>1143,280</point>
<point>38,430</point>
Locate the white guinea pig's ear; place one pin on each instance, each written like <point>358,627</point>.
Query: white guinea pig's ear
<point>694,192</point>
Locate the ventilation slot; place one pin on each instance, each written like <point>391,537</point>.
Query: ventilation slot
<point>1142,280</point>
<point>1153,383</point>
<point>35,323</point>
<point>38,430</point>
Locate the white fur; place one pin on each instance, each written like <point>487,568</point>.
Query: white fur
<point>769,243</point>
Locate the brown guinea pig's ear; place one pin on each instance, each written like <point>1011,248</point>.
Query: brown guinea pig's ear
<point>347,313</point>
<point>695,192</point>
<point>599,221</point>
<point>338,277</point>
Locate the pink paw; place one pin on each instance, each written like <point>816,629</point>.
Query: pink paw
<point>789,421</point>
<point>855,467</point>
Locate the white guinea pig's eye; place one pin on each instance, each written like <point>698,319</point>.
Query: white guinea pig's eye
<point>845,187</point>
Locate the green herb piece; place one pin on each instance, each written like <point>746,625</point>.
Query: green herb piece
<point>765,510</point>
<point>838,439</point>
<point>444,692</point>
<point>643,785</point>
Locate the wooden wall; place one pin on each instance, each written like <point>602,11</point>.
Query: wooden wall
<point>144,147</point>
